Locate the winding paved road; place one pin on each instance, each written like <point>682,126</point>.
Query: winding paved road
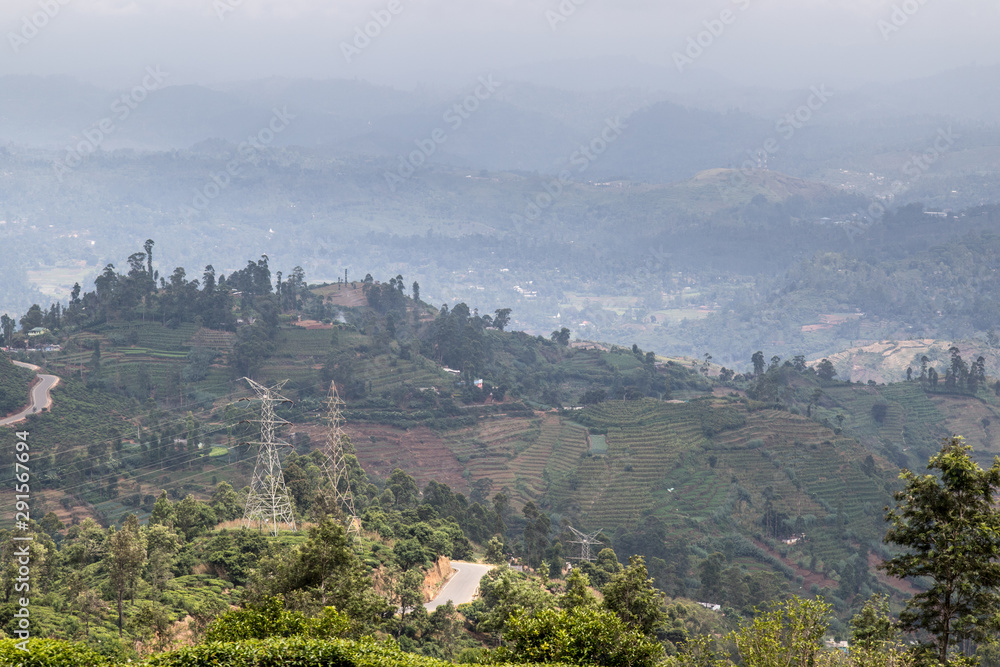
<point>40,395</point>
<point>462,587</point>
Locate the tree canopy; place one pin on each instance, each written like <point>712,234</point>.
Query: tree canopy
<point>950,529</point>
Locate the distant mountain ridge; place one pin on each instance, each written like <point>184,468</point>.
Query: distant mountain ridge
<point>673,131</point>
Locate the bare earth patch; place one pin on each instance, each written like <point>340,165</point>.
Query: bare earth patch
<point>419,451</point>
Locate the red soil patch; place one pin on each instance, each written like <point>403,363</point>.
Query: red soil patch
<point>50,500</point>
<point>808,577</point>
<point>899,584</point>
<point>418,451</point>
<point>312,324</point>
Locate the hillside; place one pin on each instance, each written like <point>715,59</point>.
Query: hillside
<point>650,452</point>
<point>14,383</point>
<point>886,361</point>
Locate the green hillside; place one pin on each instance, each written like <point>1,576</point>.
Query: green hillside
<point>779,471</point>
<point>13,386</point>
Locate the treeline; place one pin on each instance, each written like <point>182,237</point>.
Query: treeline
<point>491,361</point>
<point>143,294</point>
<point>958,377</point>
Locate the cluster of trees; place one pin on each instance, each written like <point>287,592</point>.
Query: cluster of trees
<point>216,302</point>
<point>533,623</point>
<point>135,581</point>
<point>959,376</point>
<point>480,348</point>
<point>458,338</point>
<point>770,380</point>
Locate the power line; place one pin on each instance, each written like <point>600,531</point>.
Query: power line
<point>103,457</point>
<point>585,541</point>
<point>95,481</point>
<point>269,501</point>
<point>334,461</point>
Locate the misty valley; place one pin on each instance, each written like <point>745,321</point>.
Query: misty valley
<point>439,354</point>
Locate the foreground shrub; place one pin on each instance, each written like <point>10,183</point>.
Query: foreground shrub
<point>49,653</point>
<point>582,636</point>
<point>270,619</point>
<point>295,652</point>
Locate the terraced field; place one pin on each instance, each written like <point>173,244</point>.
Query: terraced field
<point>977,421</point>
<point>805,471</point>
<point>647,441</point>
<point>133,354</point>
<point>385,374</point>
<point>489,449</point>
<point>419,451</point>
<point>705,467</point>
<point>524,457</point>
<point>214,340</point>
<point>912,424</point>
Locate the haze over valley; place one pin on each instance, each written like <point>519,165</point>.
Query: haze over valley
<point>314,315</point>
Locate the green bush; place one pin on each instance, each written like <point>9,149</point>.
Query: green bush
<point>295,652</point>
<point>49,653</point>
<point>583,636</point>
<point>270,619</point>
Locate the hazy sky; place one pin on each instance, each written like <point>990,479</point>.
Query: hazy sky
<point>779,43</point>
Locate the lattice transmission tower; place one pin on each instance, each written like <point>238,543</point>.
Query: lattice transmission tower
<point>269,502</point>
<point>335,461</point>
<point>585,541</point>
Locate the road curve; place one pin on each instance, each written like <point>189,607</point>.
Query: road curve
<point>40,395</point>
<point>462,587</point>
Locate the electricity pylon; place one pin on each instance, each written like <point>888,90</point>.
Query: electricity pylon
<point>268,502</point>
<point>335,461</point>
<point>585,541</point>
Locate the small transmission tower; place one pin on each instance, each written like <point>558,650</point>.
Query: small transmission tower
<point>585,541</point>
<point>335,462</point>
<point>268,502</point>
